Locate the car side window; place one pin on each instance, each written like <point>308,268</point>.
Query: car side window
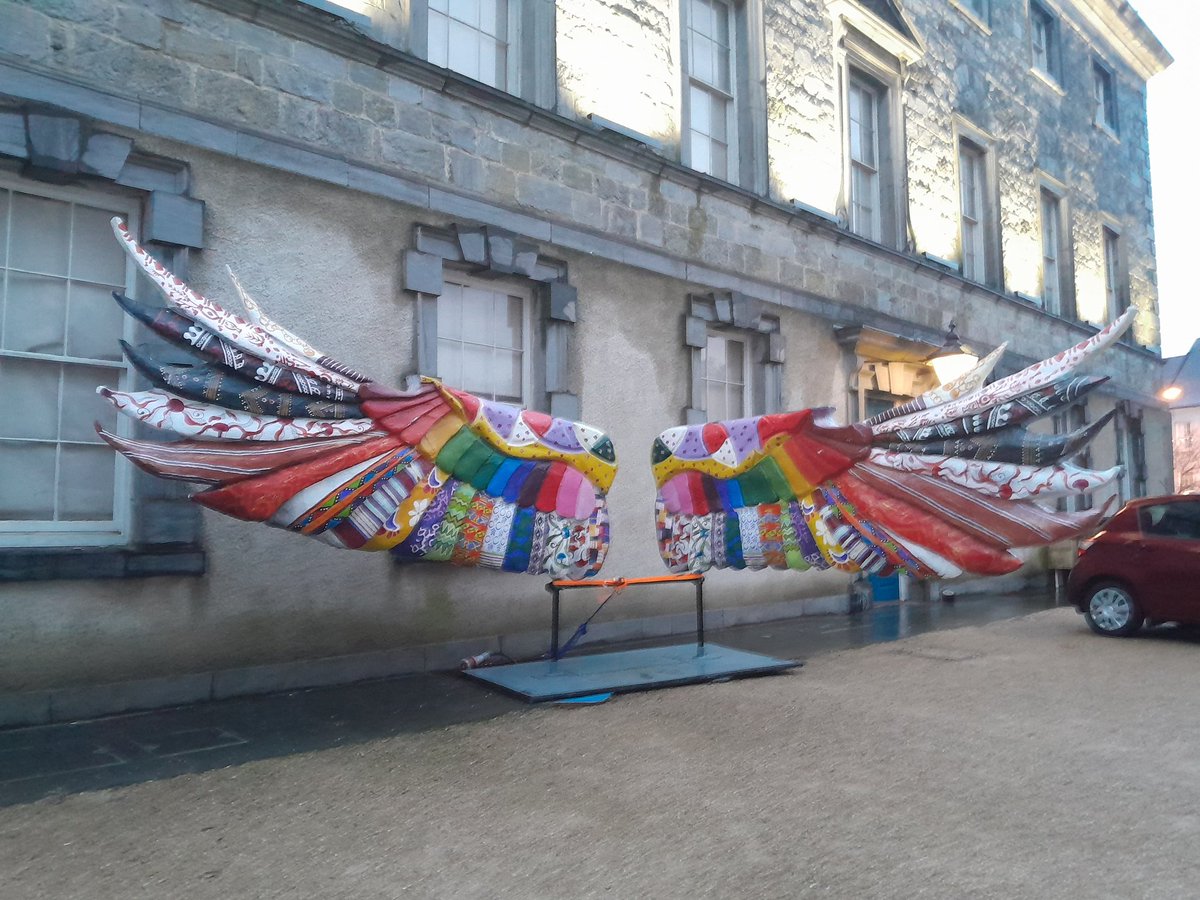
<point>1173,520</point>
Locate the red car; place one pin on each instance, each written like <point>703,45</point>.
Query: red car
<point>1143,567</point>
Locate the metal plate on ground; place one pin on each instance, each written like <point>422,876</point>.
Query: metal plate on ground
<point>627,670</point>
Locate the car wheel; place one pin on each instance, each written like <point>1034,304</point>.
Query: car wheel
<point>1112,611</point>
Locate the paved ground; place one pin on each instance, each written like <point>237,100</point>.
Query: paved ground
<point>1021,758</point>
<point>55,760</point>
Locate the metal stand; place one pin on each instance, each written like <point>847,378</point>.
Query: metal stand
<point>616,671</point>
<point>557,587</point>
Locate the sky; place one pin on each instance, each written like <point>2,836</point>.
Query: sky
<point>1172,102</point>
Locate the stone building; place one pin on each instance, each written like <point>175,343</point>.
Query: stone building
<point>634,213</point>
<point>1181,389</point>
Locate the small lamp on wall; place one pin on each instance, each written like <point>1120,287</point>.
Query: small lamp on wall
<point>953,358</point>
<point>1173,386</point>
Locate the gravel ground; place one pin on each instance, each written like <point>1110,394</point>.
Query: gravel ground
<point>1025,758</point>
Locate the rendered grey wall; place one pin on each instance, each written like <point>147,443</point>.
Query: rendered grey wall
<point>384,150</point>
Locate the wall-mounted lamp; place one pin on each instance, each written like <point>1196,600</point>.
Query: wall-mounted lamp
<point>953,359</point>
<point>1172,390</point>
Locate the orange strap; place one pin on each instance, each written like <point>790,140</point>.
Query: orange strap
<point>620,583</point>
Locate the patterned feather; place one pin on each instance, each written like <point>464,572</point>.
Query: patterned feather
<point>945,484</point>
<point>281,433</point>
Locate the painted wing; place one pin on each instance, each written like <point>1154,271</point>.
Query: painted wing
<point>280,433</point>
<point>945,484</point>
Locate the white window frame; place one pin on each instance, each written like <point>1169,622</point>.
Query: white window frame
<point>872,229</point>
<point>728,336</point>
<point>1130,435</point>
<point>1104,97</point>
<point>981,8</point>
<point>979,11</point>
<point>973,228</point>
<point>729,96</point>
<point>1049,61</point>
<point>879,75</point>
<point>1116,282</point>
<point>731,316</point>
<point>1055,235</point>
<point>1112,268</point>
<point>512,61</point>
<point>81,533</point>
<point>510,289</point>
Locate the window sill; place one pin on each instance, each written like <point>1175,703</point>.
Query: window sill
<point>87,563</point>
<point>1048,80</point>
<point>1107,129</point>
<point>971,16</point>
<point>358,20</point>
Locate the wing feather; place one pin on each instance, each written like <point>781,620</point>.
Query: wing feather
<point>943,485</point>
<point>280,433</point>
<point>234,329</point>
<point>1028,379</point>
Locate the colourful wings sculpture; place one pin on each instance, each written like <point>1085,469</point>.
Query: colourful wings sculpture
<point>282,434</point>
<point>942,485</point>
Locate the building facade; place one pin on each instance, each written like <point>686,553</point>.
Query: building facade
<point>1181,389</point>
<point>636,214</point>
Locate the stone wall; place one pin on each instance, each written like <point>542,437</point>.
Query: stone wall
<point>195,58</point>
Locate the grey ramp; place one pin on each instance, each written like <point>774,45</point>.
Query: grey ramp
<point>627,670</point>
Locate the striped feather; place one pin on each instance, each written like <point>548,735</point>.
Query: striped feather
<point>234,329</point>
<point>215,384</point>
<point>187,334</point>
<point>204,421</point>
<point>287,338</point>
<point>206,462</point>
<point>1028,379</point>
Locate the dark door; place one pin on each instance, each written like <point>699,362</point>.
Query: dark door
<point>1168,559</point>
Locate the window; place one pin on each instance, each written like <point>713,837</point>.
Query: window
<point>1115,282</point>
<point>506,331</point>
<point>1137,455</point>
<point>1186,456</point>
<point>1055,256</point>
<point>1104,96</point>
<point>471,37</point>
<point>977,11</point>
<point>871,208</point>
<point>877,403</point>
<point>350,11</point>
<point>711,144</point>
<point>483,340</point>
<point>1044,37</point>
<point>1131,454</point>
<point>980,258</point>
<point>1172,520</point>
<point>59,331</point>
<point>977,8</point>
<point>726,377</point>
<point>507,44</point>
<point>736,358</point>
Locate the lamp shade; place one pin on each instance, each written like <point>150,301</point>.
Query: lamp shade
<point>953,359</point>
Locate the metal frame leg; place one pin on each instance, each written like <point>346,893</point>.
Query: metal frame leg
<point>554,592</point>
<point>700,613</point>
